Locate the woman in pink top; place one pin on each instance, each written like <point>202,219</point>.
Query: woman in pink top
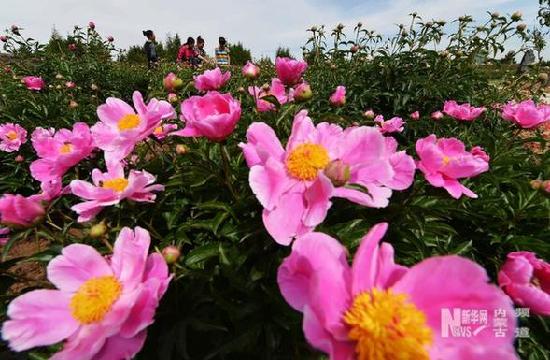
<point>187,53</point>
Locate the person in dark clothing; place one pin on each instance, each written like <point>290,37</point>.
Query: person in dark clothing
<point>150,49</point>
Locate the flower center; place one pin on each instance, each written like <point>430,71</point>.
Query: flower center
<point>128,122</point>
<point>386,326</point>
<point>94,299</point>
<point>66,148</point>
<point>306,160</point>
<point>118,184</point>
<point>11,135</point>
<point>446,160</point>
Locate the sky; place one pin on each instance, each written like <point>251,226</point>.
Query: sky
<point>262,26</point>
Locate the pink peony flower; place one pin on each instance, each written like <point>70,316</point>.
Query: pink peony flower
<point>20,211</point>
<point>415,115</point>
<point>59,151</point>
<point>120,127</point>
<point>164,130</point>
<point>110,188</point>
<point>289,71</point>
<point>102,305</point>
<point>394,124</point>
<point>211,80</point>
<point>277,89</point>
<point>4,238</point>
<point>376,309</point>
<point>464,112</point>
<point>444,161</point>
<point>51,190</point>
<point>295,185</point>
<point>70,84</point>
<point>3,38</point>
<point>251,71</point>
<point>213,116</point>
<point>12,136</point>
<point>526,279</point>
<point>437,115</point>
<point>110,38</point>
<point>338,98</point>
<point>33,83</point>
<point>526,113</point>
<point>91,25</point>
<point>72,47</point>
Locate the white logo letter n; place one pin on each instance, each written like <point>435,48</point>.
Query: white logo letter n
<point>449,321</point>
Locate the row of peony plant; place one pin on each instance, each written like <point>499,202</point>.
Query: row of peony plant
<point>371,309</point>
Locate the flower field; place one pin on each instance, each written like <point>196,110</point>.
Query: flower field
<point>378,199</point>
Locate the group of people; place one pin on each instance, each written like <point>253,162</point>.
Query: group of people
<point>191,53</point>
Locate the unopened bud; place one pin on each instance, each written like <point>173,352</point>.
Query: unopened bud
<point>172,98</point>
<point>94,87</point>
<point>171,254</point>
<point>265,87</point>
<point>521,27</point>
<point>241,90</point>
<point>181,149</point>
<point>369,114</point>
<point>73,104</point>
<point>516,16</point>
<point>546,186</point>
<point>98,230</point>
<point>19,159</point>
<point>338,172</point>
<point>303,92</point>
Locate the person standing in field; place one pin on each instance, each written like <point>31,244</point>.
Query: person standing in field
<point>200,52</point>
<point>150,49</point>
<point>222,53</point>
<point>187,54</point>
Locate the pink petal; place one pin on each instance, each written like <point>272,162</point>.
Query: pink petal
<point>76,264</point>
<point>317,201</point>
<point>117,347</point>
<point>38,318</point>
<point>130,256</point>
<point>284,222</point>
<point>269,182</point>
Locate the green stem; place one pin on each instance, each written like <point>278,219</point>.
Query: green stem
<point>227,169</point>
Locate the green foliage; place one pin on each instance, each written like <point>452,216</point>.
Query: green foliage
<point>283,52</point>
<point>239,54</point>
<point>224,302</point>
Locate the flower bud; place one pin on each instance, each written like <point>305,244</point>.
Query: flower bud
<point>19,159</point>
<point>98,230</point>
<point>15,30</point>
<point>359,24</point>
<point>171,254</point>
<point>369,114</point>
<point>241,90</point>
<point>91,25</point>
<point>516,16</point>
<point>94,87</point>
<point>72,47</point>
<point>338,172</point>
<point>495,15</point>
<point>181,149</point>
<point>265,87</point>
<point>437,115</point>
<point>172,98</point>
<point>59,77</point>
<point>73,104</point>
<point>415,115</point>
<point>3,38</point>
<point>546,186</point>
<point>70,85</point>
<point>251,71</point>
<point>521,27</point>
<point>354,49</point>
<point>58,87</point>
<point>302,92</point>
<point>110,38</point>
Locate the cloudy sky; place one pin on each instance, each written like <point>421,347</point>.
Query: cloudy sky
<point>261,25</point>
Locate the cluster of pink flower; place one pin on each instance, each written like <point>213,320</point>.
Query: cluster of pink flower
<point>369,310</point>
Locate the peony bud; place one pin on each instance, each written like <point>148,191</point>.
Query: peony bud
<point>437,115</point>
<point>172,98</point>
<point>251,71</point>
<point>543,77</point>
<point>521,27</point>
<point>535,184</point>
<point>3,38</point>
<point>302,92</point>
<point>354,49</point>
<point>181,149</point>
<point>516,16</point>
<point>19,159</point>
<point>265,87</point>
<point>15,30</point>
<point>338,172</point>
<point>171,254</point>
<point>369,114</point>
<point>241,90</point>
<point>495,14</point>
<point>546,186</point>
<point>70,85</point>
<point>110,38</point>
<point>73,104</point>
<point>59,77</point>
<point>72,47</point>
<point>98,230</point>
<point>91,25</point>
<point>415,115</point>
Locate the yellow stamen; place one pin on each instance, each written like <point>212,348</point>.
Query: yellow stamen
<point>66,148</point>
<point>118,184</point>
<point>386,326</point>
<point>94,299</point>
<point>305,161</point>
<point>11,135</point>
<point>128,122</point>
<point>158,130</point>
<point>446,160</point>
